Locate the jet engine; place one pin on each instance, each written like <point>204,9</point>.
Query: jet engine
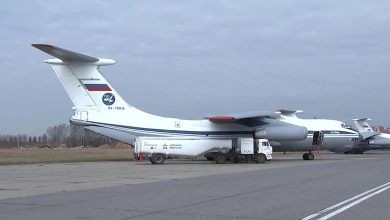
<point>379,142</point>
<point>288,133</point>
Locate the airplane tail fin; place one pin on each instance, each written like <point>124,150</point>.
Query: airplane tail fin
<point>364,128</point>
<point>81,78</point>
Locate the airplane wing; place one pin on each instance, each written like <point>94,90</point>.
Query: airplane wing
<point>241,116</point>
<point>253,115</point>
<point>265,125</point>
<point>364,128</point>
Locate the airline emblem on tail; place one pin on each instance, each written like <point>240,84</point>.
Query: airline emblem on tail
<point>108,99</point>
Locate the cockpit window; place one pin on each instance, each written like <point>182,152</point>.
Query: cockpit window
<point>345,126</point>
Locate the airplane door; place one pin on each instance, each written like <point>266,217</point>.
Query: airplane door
<point>318,137</point>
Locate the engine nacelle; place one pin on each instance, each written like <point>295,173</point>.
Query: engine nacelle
<point>290,133</point>
<point>380,142</point>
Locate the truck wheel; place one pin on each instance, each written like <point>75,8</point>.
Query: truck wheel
<point>210,158</point>
<point>158,159</point>
<point>234,158</point>
<point>261,158</point>
<point>220,158</point>
<point>151,159</point>
<point>248,158</point>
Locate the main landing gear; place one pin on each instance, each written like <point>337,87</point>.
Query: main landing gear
<point>308,156</point>
<point>318,138</point>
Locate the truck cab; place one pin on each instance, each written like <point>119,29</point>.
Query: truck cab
<point>258,150</point>
<point>264,147</point>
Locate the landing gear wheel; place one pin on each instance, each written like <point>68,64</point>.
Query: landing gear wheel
<point>261,158</point>
<point>157,159</point>
<point>220,158</point>
<point>308,156</point>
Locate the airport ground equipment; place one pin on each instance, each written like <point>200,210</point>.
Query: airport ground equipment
<point>219,150</point>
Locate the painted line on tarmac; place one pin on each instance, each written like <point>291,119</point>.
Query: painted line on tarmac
<point>349,203</point>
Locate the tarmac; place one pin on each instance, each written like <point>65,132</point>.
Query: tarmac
<point>337,186</point>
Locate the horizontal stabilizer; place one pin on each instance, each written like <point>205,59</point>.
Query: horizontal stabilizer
<point>63,54</point>
<point>366,135</point>
<point>362,120</point>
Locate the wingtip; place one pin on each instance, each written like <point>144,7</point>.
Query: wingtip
<point>41,45</point>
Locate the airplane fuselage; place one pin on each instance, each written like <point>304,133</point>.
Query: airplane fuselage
<point>126,127</point>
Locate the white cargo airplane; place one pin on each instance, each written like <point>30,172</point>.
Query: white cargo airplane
<point>99,108</point>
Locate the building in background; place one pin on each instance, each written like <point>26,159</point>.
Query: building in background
<point>381,129</point>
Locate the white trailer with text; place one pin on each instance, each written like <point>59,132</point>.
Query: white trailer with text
<point>157,149</point>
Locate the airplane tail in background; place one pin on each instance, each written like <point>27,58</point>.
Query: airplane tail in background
<point>80,76</point>
<point>364,128</point>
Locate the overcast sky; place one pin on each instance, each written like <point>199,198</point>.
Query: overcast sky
<point>189,59</point>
